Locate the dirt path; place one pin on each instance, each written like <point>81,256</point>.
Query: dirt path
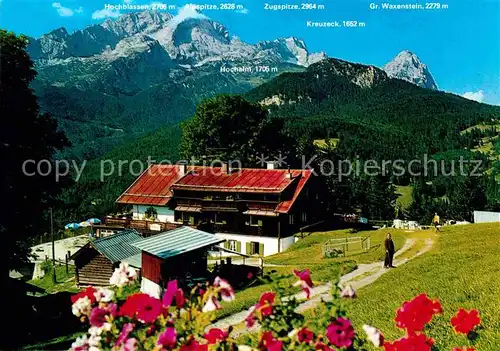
<point>362,276</point>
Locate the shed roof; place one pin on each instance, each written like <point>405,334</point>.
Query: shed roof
<point>118,246</point>
<point>176,242</point>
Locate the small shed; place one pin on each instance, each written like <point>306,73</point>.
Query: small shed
<point>96,261</point>
<point>175,254</point>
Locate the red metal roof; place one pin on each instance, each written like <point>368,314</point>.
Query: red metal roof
<point>244,180</point>
<point>285,206</point>
<point>155,185</point>
<point>152,187</point>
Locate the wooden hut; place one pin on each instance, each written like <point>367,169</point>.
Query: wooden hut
<point>175,254</point>
<point>96,261</point>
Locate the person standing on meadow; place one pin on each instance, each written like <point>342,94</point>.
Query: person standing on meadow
<point>389,251</point>
<point>435,221</point>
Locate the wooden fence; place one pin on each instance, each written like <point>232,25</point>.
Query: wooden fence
<point>345,246</point>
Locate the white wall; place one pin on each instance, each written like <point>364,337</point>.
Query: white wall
<point>486,217</point>
<point>270,244</point>
<point>164,213</point>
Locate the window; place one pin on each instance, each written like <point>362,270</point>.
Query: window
<point>234,245</point>
<point>303,217</point>
<point>255,221</point>
<point>291,219</point>
<point>255,248</point>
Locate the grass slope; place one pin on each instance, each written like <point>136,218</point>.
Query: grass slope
<point>306,253</point>
<point>462,270</point>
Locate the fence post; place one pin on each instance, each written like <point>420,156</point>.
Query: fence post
<point>67,259</point>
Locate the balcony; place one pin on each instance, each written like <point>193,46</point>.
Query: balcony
<point>142,226</point>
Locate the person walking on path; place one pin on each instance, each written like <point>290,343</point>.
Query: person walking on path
<point>435,221</point>
<point>389,251</point>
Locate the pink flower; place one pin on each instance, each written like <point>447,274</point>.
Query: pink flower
<point>129,345</point>
<point>374,335</point>
<point>304,275</point>
<point>215,335</point>
<point>225,289</point>
<point>173,292</point>
<point>168,338</point>
<point>304,281</point>
<point>98,316</point>
<point>348,292</point>
<point>305,335</point>
<point>126,329</point>
<point>250,320</point>
<point>340,333</point>
<point>212,304</point>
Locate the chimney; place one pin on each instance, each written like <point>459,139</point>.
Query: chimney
<point>272,165</point>
<point>183,169</point>
<point>288,175</point>
<point>225,168</point>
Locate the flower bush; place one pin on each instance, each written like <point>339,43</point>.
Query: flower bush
<point>181,321</point>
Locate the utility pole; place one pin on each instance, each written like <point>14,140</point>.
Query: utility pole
<point>54,280</point>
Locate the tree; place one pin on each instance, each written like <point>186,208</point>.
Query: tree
<point>231,128</point>
<point>25,135</point>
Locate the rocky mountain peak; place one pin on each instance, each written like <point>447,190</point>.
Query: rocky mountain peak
<point>407,66</point>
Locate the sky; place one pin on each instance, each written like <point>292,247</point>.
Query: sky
<point>460,43</point>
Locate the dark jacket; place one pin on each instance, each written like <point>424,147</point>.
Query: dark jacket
<point>389,245</point>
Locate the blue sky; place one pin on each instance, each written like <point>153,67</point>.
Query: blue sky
<point>460,44</point>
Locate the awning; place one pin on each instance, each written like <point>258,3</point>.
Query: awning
<point>261,213</point>
<point>188,208</point>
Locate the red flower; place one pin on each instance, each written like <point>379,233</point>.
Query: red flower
<point>322,347</point>
<point>464,322</point>
<point>89,292</point>
<point>193,345</point>
<point>168,338</point>
<point>142,306</point>
<point>265,305</point>
<point>270,342</point>
<point>415,314</point>
<point>414,342</point>
<point>215,335</point>
<point>305,335</point>
<point>340,332</point>
<point>464,349</point>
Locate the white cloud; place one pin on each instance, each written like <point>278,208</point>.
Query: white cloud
<point>185,12</point>
<point>474,95</point>
<point>244,11</point>
<point>61,10</point>
<point>128,1</point>
<point>105,13</point>
<point>79,10</point>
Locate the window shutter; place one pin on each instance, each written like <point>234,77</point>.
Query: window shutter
<point>249,248</point>
<point>226,244</point>
<point>261,249</point>
<point>259,222</point>
<point>238,246</point>
<point>191,220</point>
